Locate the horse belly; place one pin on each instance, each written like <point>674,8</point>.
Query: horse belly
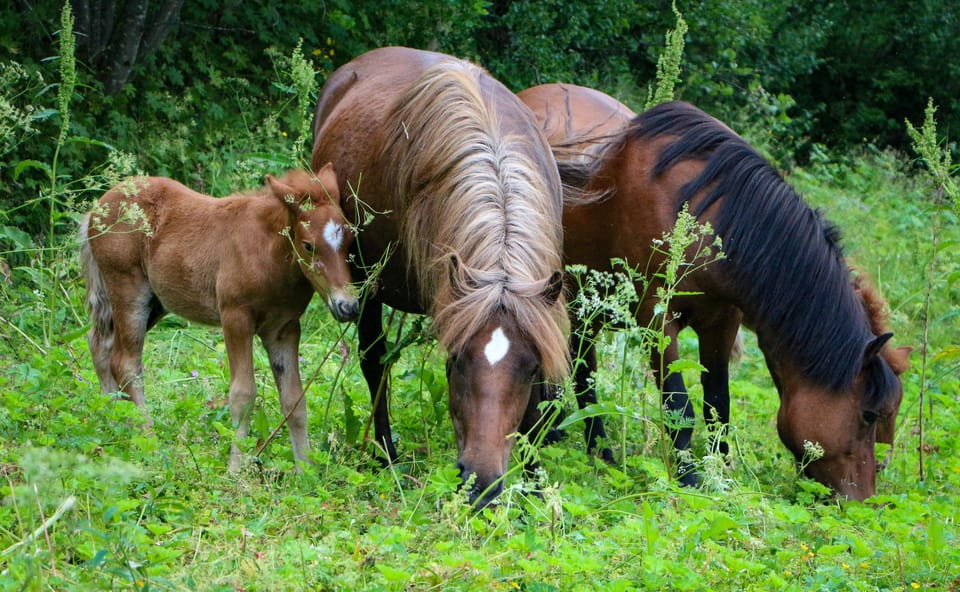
<point>185,291</point>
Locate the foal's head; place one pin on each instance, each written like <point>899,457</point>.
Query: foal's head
<point>320,234</point>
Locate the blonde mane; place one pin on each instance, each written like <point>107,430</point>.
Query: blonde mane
<point>483,229</point>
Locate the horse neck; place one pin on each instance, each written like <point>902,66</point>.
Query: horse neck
<point>783,266</point>
<point>793,286</point>
<point>271,221</point>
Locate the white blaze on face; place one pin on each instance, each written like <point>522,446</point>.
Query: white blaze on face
<point>498,347</point>
<point>333,233</point>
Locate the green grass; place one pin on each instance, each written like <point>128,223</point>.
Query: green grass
<point>157,510</point>
<point>90,501</point>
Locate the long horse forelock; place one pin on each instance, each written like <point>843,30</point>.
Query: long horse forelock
<point>496,228</point>
<point>464,308</point>
<point>472,192</point>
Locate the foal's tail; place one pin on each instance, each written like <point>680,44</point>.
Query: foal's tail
<point>100,337</point>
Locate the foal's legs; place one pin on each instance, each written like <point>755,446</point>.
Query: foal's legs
<point>238,330</point>
<point>372,345</point>
<point>130,296</point>
<point>282,345</point>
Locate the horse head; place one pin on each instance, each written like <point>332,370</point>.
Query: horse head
<point>320,235</point>
<point>490,379</point>
<point>832,433</point>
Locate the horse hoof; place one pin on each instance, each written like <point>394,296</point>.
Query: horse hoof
<point>606,455</point>
<point>687,476</point>
<point>553,436</point>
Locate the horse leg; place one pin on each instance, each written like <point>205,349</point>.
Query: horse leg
<point>238,331</point>
<point>131,297</point>
<point>716,343</point>
<point>583,352</point>
<point>100,342</point>
<point>676,404</point>
<point>283,347</point>
<point>372,347</point>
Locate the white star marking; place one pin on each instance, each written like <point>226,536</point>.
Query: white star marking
<point>498,347</point>
<point>333,232</point>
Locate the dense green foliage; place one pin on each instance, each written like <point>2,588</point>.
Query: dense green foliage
<point>89,500</point>
<point>806,73</point>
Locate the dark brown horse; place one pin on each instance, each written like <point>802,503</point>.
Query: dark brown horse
<point>784,274</point>
<point>464,207</point>
<point>249,262</point>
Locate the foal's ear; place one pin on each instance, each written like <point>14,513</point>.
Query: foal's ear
<point>874,347</point>
<point>285,193</point>
<point>551,293</point>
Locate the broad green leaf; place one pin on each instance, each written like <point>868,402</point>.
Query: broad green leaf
<point>393,574</point>
<point>31,164</point>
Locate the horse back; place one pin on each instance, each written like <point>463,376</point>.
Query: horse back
<point>350,130</point>
<point>571,114</point>
<point>192,251</point>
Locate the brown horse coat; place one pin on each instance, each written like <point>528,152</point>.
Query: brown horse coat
<point>783,274</point>
<point>249,262</point>
<point>459,203</point>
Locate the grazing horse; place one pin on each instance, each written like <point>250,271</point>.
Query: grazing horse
<point>463,206</point>
<point>249,263</point>
<point>783,275</point>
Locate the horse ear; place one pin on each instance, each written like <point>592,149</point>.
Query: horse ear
<point>285,193</point>
<point>554,287</point>
<point>874,347</point>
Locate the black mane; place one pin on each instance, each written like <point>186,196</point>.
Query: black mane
<point>784,257</point>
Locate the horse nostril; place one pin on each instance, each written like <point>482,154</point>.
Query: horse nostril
<point>349,309</point>
<point>462,471</point>
<point>345,310</point>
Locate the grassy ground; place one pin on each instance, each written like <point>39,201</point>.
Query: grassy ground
<point>90,501</point>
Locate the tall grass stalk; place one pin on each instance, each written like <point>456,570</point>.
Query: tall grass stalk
<point>687,234</point>
<point>68,81</point>
<point>305,86</point>
<point>668,65</point>
<point>938,168</point>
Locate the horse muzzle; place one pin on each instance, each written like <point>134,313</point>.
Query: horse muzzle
<point>482,490</point>
<point>344,308</point>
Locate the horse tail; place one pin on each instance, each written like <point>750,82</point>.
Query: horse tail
<point>100,311</point>
<point>737,351</point>
<point>579,168</point>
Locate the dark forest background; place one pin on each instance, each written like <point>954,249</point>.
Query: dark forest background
<point>172,81</point>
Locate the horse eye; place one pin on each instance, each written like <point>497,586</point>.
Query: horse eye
<point>870,417</point>
<point>308,247</point>
<point>535,373</point>
<point>452,361</point>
